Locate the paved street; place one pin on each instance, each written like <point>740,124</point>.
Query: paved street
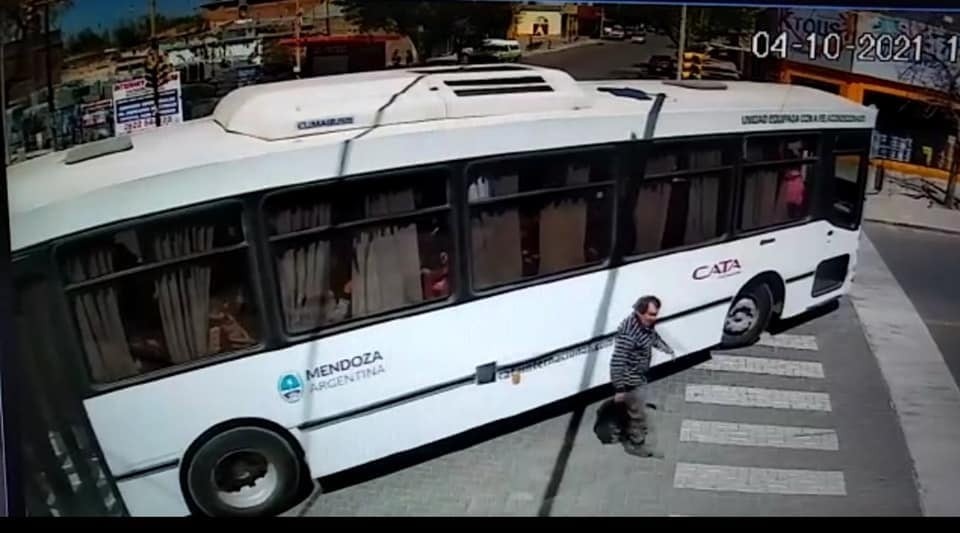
<point>801,425</point>
<point>925,265</point>
<point>600,60</point>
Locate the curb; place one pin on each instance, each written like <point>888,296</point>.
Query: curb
<point>912,225</point>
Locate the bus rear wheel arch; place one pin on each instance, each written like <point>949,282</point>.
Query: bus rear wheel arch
<point>244,469</point>
<point>752,310</point>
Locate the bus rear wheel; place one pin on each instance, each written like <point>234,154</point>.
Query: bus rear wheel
<point>748,316</point>
<point>244,471</point>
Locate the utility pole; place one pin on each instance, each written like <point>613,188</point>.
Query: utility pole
<point>155,62</point>
<point>3,88</point>
<point>603,22</point>
<point>51,104</point>
<point>326,4</point>
<point>297,22</point>
<point>682,41</point>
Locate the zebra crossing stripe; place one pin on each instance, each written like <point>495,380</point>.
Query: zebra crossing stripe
<point>759,480</point>
<point>736,434</point>
<point>756,397</point>
<point>793,342</point>
<point>763,365</point>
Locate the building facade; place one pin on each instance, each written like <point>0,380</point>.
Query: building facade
<point>917,131</point>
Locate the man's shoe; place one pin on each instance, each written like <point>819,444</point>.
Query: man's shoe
<point>638,450</point>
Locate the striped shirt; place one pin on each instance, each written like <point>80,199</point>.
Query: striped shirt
<point>631,353</point>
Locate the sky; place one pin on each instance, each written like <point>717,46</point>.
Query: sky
<point>101,15</point>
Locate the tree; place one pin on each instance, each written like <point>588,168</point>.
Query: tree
<point>88,41</point>
<point>23,18</point>
<point>935,72</point>
<point>703,23</point>
<point>430,25</point>
<point>131,33</point>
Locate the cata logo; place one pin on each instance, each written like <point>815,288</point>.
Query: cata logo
<point>722,269</point>
<point>290,387</point>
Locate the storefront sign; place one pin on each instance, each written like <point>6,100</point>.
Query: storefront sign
<point>800,24</point>
<point>883,60</point>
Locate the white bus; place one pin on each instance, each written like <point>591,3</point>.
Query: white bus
<point>330,271</point>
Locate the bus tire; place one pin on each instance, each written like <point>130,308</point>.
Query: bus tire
<point>244,472</point>
<point>748,316</point>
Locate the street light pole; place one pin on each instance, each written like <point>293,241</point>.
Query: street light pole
<point>155,52</point>
<point>682,41</point>
<point>297,22</point>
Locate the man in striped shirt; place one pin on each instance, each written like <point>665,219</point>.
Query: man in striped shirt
<point>630,363</point>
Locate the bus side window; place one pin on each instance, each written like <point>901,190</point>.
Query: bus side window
<point>539,215</point>
<point>845,189</point>
<point>360,248</point>
<point>777,179</point>
<point>683,198</point>
<point>161,294</point>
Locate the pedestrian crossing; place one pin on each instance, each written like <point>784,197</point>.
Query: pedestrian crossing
<point>740,432</point>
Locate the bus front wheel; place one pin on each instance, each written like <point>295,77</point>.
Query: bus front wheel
<point>244,471</point>
<point>748,316</point>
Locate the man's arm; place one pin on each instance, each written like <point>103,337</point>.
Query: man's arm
<point>661,345</point>
<point>622,350</point>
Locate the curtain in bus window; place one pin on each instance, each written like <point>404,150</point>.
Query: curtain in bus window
<point>661,163</point>
<point>183,294</point>
<point>578,174</point>
<point>496,246</point>
<point>304,271</point>
<point>703,199</point>
<point>563,227</point>
<point>504,185</point>
<point>386,268</point>
<point>706,159</point>
<point>479,189</point>
<point>760,199</point>
<point>563,233</point>
<point>650,216</point>
<point>98,317</point>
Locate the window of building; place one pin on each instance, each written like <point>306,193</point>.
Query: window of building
<point>361,248</point>
<point>539,215</point>
<point>777,176</point>
<point>161,294</point>
<point>683,198</point>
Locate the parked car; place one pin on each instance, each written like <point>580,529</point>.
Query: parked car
<point>639,38</point>
<point>493,51</point>
<point>663,65</point>
<point>615,33</point>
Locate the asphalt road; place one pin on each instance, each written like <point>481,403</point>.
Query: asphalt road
<point>925,264</point>
<point>600,61</point>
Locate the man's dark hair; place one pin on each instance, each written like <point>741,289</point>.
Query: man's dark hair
<point>644,303</point>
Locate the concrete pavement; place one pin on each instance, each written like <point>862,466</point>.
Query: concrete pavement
<point>924,263</point>
<point>799,425</point>
<point>896,204</point>
<point>924,393</point>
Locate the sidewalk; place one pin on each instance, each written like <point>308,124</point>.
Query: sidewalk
<point>900,203</point>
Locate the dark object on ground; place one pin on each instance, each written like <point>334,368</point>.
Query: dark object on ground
<point>611,418</point>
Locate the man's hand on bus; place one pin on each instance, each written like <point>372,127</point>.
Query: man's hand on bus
<point>619,397</point>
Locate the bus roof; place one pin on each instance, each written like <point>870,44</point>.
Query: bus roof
<point>279,134</point>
